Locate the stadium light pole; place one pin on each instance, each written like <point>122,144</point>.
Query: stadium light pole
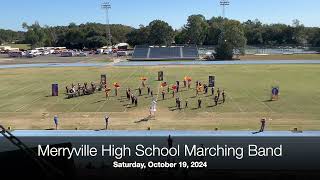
<point>106,6</point>
<point>224,4</point>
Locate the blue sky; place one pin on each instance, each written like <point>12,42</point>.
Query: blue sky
<point>135,12</point>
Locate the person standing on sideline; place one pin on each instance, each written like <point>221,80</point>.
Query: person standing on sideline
<point>106,119</point>
<point>56,121</point>
<point>263,124</point>
<point>218,93</point>
<point>170,142</point>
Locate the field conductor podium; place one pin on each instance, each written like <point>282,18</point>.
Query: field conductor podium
<point>55,90</point>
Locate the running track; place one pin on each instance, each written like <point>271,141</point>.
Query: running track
<point>161,63</point>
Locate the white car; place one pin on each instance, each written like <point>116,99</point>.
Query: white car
<point>38,54</point>
<point>44,53</point>
<point>30,55</point>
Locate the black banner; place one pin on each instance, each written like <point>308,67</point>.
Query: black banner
<point>182,157</point>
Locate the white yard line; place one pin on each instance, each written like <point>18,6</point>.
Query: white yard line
<point>18,96</point>
<point>240,109</point>
<point>32,102</point>
<point>26,105</point>
<point>255,97</point>
<point>84,99</point>
<point>35,100</point>
<point>20,89</point>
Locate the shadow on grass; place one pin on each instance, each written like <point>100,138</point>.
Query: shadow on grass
<point>98,101</point>
<point>269,100</point>
<point>175,109</point>
<point>130,107</point>
<point>257,132</point>
<point>146,119</point>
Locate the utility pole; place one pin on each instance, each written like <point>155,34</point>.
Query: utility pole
<point>224,4</point>
<point>106,6</point>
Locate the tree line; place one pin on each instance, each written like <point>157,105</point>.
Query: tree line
<point>198,30</point>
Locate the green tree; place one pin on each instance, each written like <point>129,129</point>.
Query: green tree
<point>214,30</point>
<point>161,33</point>
<point>35,35</point>
<point>232,39</point>
<point>224,50</point>
<point>315,42</point>
<point>95,41</point>
<point>181,37</point>
<point>138,36</point>
<point>277,34</point>
<point>299,33</point>
<point>196,29</point>
<point>75,39</point>
<point>253,31</point>
<point>8,36</point>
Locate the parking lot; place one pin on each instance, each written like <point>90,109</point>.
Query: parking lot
<point>4,59</point>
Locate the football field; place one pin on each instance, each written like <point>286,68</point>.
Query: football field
<point>26,102</point>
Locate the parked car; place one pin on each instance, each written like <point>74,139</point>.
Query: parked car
<point>67,54</point>
<point>122,53</point>
<point>83,54</point>
<point>14,54</point>
<point>44,53</point>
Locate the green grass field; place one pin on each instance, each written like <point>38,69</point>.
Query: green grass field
<point>26,102</point>
<point>20,46</point>
<point>282,57</point>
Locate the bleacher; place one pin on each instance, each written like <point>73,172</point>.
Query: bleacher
<point>140,52</point>
<point>165,53</point>
<point>190,52</point>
